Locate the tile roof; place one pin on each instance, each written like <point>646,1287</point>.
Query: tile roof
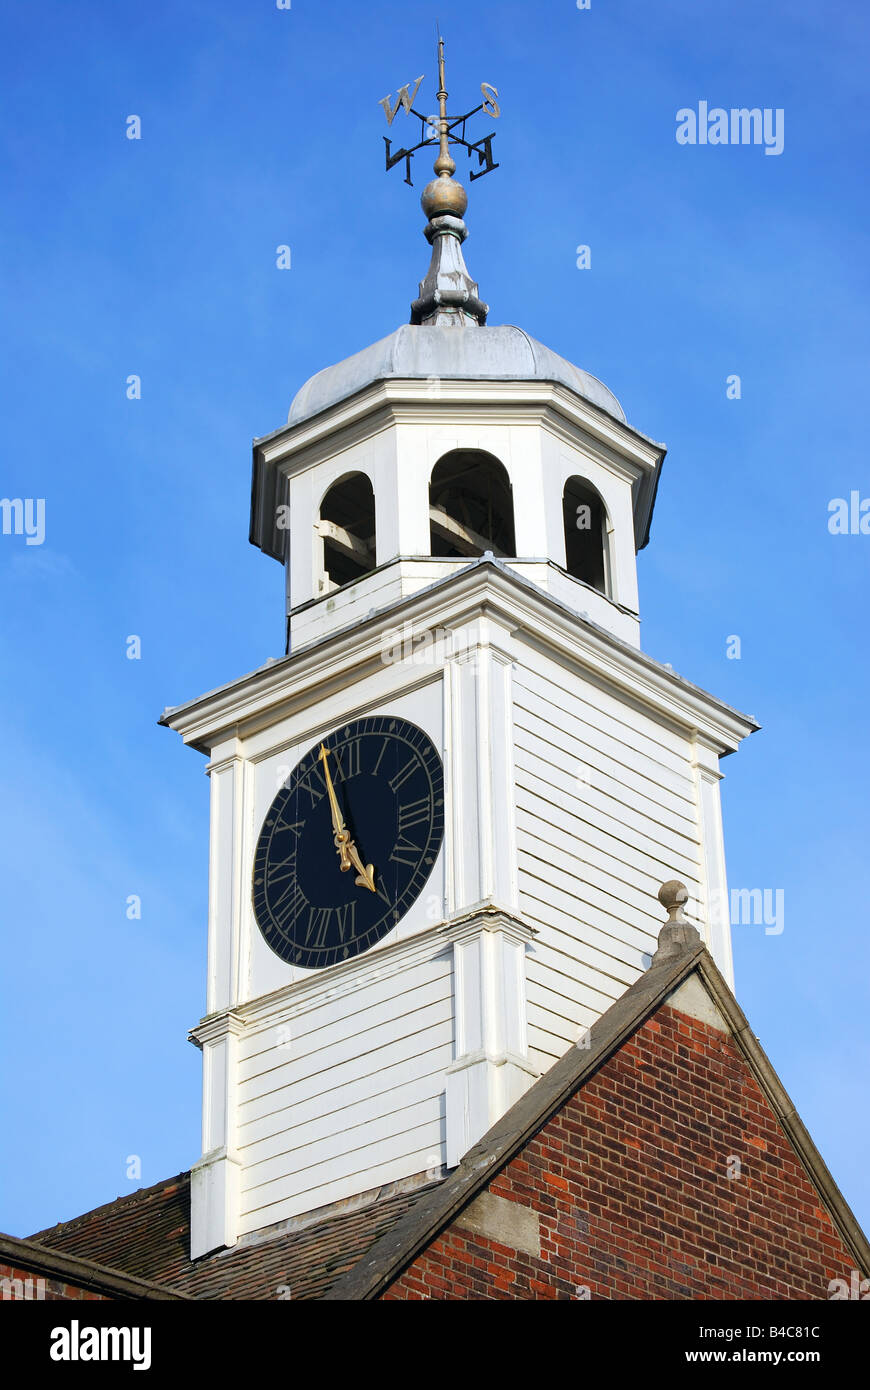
<point>148,1235</point>
<point>91,1279</point>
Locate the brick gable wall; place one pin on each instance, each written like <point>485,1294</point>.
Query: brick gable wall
<point>22,1284</point>
<point>630,1183</point>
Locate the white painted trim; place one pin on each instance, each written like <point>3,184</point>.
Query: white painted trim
<point>714,878</point>
<point>533,616</point>
<point>491,1067</point>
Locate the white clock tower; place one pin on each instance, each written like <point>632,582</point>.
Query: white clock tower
<point>458,511</point>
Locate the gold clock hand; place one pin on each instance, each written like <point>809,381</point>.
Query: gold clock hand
<point>347,850</point>
<point>366,876</point>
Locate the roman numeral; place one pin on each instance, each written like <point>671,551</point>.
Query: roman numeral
<point>278,873</point>
<point>318,926</point>
<point>403,774</point>
<point>298,901</point>
<point>384,747</point>
<point>315,786</point>
<point>297,826</point>
<point>348,759</point>
<point>346,915</point>
<point>413,813</point>
<point>404,852</point>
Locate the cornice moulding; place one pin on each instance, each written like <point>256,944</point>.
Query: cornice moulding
<point>347,977</point>
<point>483,587</point>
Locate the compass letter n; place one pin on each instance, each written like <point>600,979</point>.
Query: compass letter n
<point>403,99</point>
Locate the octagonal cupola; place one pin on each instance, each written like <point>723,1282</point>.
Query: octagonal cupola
<point>451,442</point>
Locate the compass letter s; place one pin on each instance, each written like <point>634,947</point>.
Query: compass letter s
<point>489,94</point>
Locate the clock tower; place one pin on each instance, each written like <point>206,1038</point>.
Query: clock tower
<point>440,821</point>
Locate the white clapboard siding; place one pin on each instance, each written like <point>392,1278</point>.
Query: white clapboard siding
<point>598,829</point>
<point>606,956</point>
<point>355,1170</point>
<point>557,1013</point>
<point>605,812</point>
<point>581,902</point>
<point>557,1019</point>
<point>330,1190</point>
<point>549,1038</point>
<point>336,1099</point>
<point>625,894</point>
<point>628,746</point>
<point>356,1095</point>
<point>613,908</point>
<point>566,975</point>
<point>348,1120</point>
<point>386,1143</point>
<point>567,979</point>
<point>626,782</point>
<point>633,792</point>
<point>342,1112</point>
<point>346,1061</point>
<point>349,1001</point>
<point>343,1018</point>
<point>318,1149</point>
<point>594,705</point>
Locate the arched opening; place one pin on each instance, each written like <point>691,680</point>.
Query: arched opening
<point>586,548</point>
<point>471,506</point>
<point>347,530</point>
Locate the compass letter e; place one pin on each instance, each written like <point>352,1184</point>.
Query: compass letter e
<point>403,99</point>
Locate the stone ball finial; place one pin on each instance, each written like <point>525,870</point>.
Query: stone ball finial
<point>444,197</point>
<point>673,895</point>
<point>677,935</point>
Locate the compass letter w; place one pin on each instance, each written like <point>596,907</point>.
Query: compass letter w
<point>403,99</point>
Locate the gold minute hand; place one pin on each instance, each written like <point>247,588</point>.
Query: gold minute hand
<point>347,851</point>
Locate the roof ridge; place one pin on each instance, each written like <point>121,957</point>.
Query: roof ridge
<point>119,1203</point>
<point>84,1272</point>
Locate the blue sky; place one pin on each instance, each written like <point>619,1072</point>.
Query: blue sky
<point>261,127</point>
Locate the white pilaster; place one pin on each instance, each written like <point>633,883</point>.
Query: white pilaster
<point>214,1180</point>
<point>227,774</point>
<point>715,885</point>
<point>480,773</point>
<point>491,1067</point>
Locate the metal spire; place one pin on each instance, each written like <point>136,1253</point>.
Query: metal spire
<point>448,295</point>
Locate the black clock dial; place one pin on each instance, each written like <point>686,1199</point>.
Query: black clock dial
<point>388,788</point>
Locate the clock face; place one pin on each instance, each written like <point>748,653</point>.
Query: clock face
<point>349,841</point>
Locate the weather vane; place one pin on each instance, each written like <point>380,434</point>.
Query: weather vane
<point>448,295</point>
<point>442,130</point>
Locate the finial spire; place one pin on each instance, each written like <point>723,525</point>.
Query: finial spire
<point>448,295</point>
<point>677,935</point>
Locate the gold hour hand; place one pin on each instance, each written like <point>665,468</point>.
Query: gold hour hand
<point>347,851</point>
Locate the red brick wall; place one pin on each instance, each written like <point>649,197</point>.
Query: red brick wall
<point>630,1182</point>
<point>17,1284</point>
